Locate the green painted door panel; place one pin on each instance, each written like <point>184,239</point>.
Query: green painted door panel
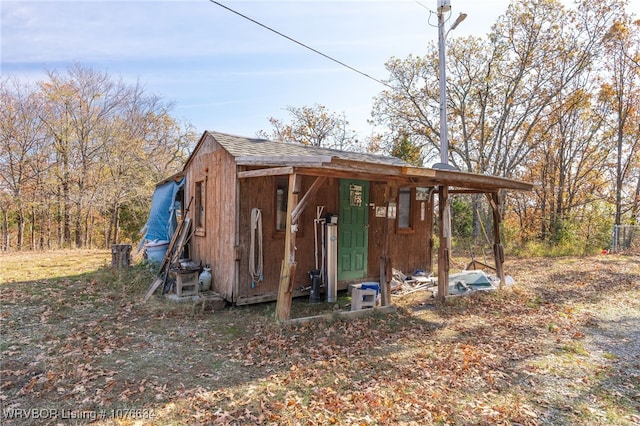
<point>353,227</point>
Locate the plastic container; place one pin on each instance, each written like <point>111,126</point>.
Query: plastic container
<point>372,286</point>
<point>314,296</point>
<point>156,250</point>
<point>204,281</point>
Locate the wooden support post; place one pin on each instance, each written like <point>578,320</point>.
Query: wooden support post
<point>498,249</point>
<point>390,192</point>
<point>288,270</point>
<point>445,241</point>
<point>429,232</point>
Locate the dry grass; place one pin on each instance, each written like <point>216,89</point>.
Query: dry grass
<point>560,347</point>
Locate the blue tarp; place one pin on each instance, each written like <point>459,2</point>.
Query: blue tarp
<point>162,222</point>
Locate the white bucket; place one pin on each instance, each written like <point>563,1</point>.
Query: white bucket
<point>156,250</point>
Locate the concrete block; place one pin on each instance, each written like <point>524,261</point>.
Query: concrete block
<point>362,298</point>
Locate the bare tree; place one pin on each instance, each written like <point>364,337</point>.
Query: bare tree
<point>314,126</point>
<point>74,150</point>
<point>621,91</point>
<point>22,146</point>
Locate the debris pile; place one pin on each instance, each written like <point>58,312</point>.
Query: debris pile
<point>404,284</point>
<point>465,282</point>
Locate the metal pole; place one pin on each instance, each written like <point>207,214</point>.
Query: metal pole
<point>444,6</point>
<point>444,143</point>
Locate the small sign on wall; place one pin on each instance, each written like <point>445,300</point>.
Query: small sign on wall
<point>381,211</point>
<point>422,194</point>
<point>392,211</point>
<point>355,195</point>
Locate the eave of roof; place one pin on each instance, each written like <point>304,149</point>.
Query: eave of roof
<point>280,158</point>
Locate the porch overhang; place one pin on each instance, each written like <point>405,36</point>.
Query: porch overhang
<point>395,176</point>
<point>411,176</point>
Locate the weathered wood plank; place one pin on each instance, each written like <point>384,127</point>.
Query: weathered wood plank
<point>270,171</point>
<point>498,249</point>
<point>292,160</point>
<point>287,273</point>
<point>311,192</point>
<point>443,250</point>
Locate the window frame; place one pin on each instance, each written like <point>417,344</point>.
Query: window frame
<point>410,227</point>
<point>282,182</point>
<point>200,207</point>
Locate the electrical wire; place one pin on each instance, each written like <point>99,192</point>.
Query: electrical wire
<point>301,44</point>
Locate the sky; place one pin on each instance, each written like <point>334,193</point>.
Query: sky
<point>223,72</point>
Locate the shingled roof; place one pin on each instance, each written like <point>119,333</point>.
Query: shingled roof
<point>239,146</point>
<point>257,153</point>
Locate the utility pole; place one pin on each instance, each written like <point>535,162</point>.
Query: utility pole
<point>444,208</point>
<point>444,6</point>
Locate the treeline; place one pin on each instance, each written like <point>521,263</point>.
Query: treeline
<point>80,153</point>
<point>552,96</point>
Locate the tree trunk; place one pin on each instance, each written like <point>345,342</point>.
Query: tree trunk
<point>476,206</point>
<point>114,228</point>
<point>635,205</point>
<point>66,216</point>
<point>20,241</point>
<point>5,230</point>
<point>32,220</point>
<point>78,226</point>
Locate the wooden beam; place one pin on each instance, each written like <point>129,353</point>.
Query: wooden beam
<point>311,192</point>
<point>445,241</point>
<point>270,171</point>
<point>429,232</point>
<point>279,160</point>
<point>498,249</point>
<point>469,180</point>
<point>288,270</point>
<point>390,193</point>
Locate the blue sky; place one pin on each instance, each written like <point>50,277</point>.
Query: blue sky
<point>226,73</point>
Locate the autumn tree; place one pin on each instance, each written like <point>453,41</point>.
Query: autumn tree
<point>314,126</point>
<point>144,146</point>
<point>621,92</point>
<point>22,151</point>
<point>77,150</point>
<point>504,94</point>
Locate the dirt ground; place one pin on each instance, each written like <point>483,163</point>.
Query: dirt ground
<point>561,346</point>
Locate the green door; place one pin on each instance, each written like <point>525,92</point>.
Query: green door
<point>353,226</point>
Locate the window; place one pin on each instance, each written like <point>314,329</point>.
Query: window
<point>282,189</point>
<point>281,194</point>
<point>405,209</point>
<point>200,207</point>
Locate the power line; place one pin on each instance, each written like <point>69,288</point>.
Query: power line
<point>301,44</point>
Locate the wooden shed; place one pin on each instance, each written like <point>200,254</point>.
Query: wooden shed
<point>257,205</point>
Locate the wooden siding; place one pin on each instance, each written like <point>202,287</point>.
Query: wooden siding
<point>407,249</point>
<point>259,193</point>
<point>241,174</point>
<point>216,245</point>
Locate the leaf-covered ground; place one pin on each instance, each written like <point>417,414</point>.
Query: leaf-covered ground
<point>562,346</point>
